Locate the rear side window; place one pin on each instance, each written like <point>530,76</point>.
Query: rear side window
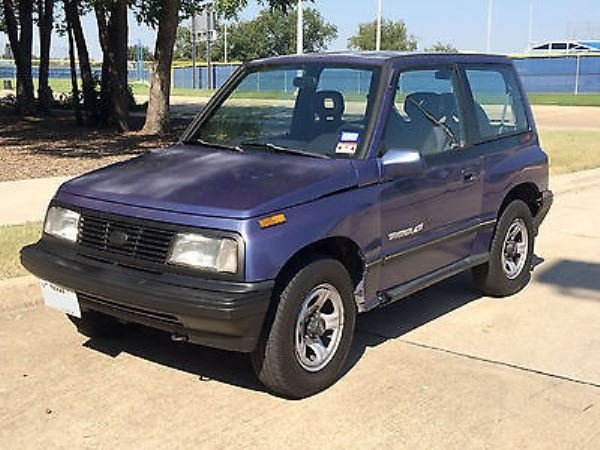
<point>499,107</point>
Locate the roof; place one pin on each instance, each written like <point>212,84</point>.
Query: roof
<point>381,57</point>
<point>568,45</point>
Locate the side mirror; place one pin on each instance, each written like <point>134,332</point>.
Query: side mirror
<point>401,162</point>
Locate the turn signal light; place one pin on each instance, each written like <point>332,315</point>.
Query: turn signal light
<point>271,221</point>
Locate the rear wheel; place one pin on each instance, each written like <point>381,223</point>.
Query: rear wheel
<point>308,342</point>
<point>509,267</point>
<point>97,325</point>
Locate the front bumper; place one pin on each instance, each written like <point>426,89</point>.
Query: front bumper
<point>545,202</point>
<point>221,314</point>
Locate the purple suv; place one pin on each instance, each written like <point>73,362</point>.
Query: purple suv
<point>310,189</point>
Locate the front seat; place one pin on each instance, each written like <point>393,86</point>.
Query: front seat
<point>329,107</point>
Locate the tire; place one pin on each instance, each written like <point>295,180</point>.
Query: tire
<point>97,325</point>
<point>495,278</point>
<point>284,360</point>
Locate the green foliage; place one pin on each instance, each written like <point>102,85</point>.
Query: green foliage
<point>183,45</point>
<point>394,36</point>
<point>230,8</point>
<point>441,47</point>
<point>273,33</point>
<point>147,54</point>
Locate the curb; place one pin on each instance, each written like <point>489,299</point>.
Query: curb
<point>19,293</point>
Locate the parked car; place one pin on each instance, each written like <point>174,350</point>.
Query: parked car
<point>310,189</point>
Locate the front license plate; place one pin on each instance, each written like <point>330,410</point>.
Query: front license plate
<point>60,298</point>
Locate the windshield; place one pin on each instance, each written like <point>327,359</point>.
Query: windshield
<point>309,109</point>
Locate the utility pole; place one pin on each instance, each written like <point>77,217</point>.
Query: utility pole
<point>489,26</point>
<point>378,36</point>
<point>300,29</point>
<point>194,37</point>
<point>225,42</point>
<point>209,22</point>
<point>530,38</point>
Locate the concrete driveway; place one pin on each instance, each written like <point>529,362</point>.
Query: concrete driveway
<point>444,368</point>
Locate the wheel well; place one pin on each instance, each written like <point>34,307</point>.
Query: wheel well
<point>527,192</point>
<point>343,249</point>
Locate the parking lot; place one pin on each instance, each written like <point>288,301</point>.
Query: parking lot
<point>443,368</point>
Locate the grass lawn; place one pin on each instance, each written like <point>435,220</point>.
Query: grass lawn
<point>565,99</point>
<point>12,238</point>
<point>571,151</point>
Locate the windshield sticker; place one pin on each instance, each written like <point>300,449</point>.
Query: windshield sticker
<point>348,142</point>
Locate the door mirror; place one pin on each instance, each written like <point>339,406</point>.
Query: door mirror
<point>401,162</point>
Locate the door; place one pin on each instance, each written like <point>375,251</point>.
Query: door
<point>428,220</point>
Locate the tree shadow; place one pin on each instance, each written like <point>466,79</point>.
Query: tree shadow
<point>576,279</point>
<point>58,136</point>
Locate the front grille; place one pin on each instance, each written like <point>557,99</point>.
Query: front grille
<point>108,307</point>
<point>123,237</point>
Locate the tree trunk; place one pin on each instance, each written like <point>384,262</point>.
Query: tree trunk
<point>85,69</point>
<point>46,21</point>
<point>157,116</point>
<point>114,93</point>
<point>117,33</point>
<point>105,103</point>
<point>74,87</point>
<point>20,35</point>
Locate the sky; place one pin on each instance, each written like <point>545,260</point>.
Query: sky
<point>462,23</point>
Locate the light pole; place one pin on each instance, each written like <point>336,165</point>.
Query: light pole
<point>489,26</point>
<point>530,39</point>
<point>378,36</point>
<point>300,30</point>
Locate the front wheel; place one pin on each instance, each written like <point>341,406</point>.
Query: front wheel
<point>311,333</point>
<point>509,267</point>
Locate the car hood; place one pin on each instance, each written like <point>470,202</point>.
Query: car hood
<point>212,182</point>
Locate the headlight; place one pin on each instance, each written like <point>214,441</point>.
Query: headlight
<point>203,252</point>
<point>62,223</point>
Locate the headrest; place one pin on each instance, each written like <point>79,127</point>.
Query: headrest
<point>329,105</point>
<point>429,101</point>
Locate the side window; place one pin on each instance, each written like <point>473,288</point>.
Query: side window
<point>499,107</point>
<point>425,115</point>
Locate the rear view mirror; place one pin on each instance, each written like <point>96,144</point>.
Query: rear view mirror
<point>305,82</point>
<point>401,162</point>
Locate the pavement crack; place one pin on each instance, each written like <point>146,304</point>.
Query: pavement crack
<point>489,361</point>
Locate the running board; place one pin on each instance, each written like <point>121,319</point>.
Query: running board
<point>406,289</point>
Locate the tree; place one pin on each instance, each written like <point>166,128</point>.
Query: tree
<point>157,115</point>
<point>183,44</point>
<point>18,21</point>
<point>111,17</point>
<point>273,33</point>
<point>132,53</point>
<point>441,47</point>
<point>72,14</point>
<point>45,25</point>
<point>394,36</point>
<point>165,14</point>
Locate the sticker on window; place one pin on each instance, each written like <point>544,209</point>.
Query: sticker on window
<point>347,142</point>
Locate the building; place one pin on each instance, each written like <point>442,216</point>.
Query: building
<point>566,46</point>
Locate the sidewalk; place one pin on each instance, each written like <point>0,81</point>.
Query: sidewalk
<point>26,200</point>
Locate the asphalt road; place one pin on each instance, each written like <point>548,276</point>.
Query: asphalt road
<point>444,368</point>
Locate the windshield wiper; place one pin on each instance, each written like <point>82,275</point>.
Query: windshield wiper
<point>280,149</point>
<point>235,148</point>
